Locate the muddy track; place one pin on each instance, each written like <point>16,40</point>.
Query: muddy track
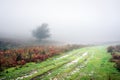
<point>65,75</point>
<point>47,72</point>
<point>78,68</point>
<point>50,71</point>
<point>65,66</point>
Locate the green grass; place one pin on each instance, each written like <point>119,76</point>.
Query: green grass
<point>96,66</point>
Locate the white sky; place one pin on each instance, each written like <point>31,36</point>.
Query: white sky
<point>69,20</point>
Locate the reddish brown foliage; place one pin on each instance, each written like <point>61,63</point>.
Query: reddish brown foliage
<point>13,57</point>
<point>115,52</point>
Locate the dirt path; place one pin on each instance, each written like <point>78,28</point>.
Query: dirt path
<point>64,67</point>
<point>50,71</point>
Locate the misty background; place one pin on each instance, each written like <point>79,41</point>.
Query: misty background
<point>73,21</point>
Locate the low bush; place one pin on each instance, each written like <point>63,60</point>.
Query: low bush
<point>14,57</point>
<point>115,52</point>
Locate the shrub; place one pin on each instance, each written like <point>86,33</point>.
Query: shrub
<point>110,49</point>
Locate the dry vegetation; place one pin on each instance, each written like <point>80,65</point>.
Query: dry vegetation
<point>115,52</point>
<point>21,56</point>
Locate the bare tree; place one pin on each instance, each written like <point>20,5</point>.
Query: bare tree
<point>42,32</point>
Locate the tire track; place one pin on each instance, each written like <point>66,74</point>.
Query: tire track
<point>44,74</point>
<point>60,71</point>
<point>78,68</point>
<point>52,69</point>
<point>73,69</point>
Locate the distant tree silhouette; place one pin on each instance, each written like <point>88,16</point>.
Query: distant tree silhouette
<point>42,32</point>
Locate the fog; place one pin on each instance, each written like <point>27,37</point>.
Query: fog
<point>75,21</point>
